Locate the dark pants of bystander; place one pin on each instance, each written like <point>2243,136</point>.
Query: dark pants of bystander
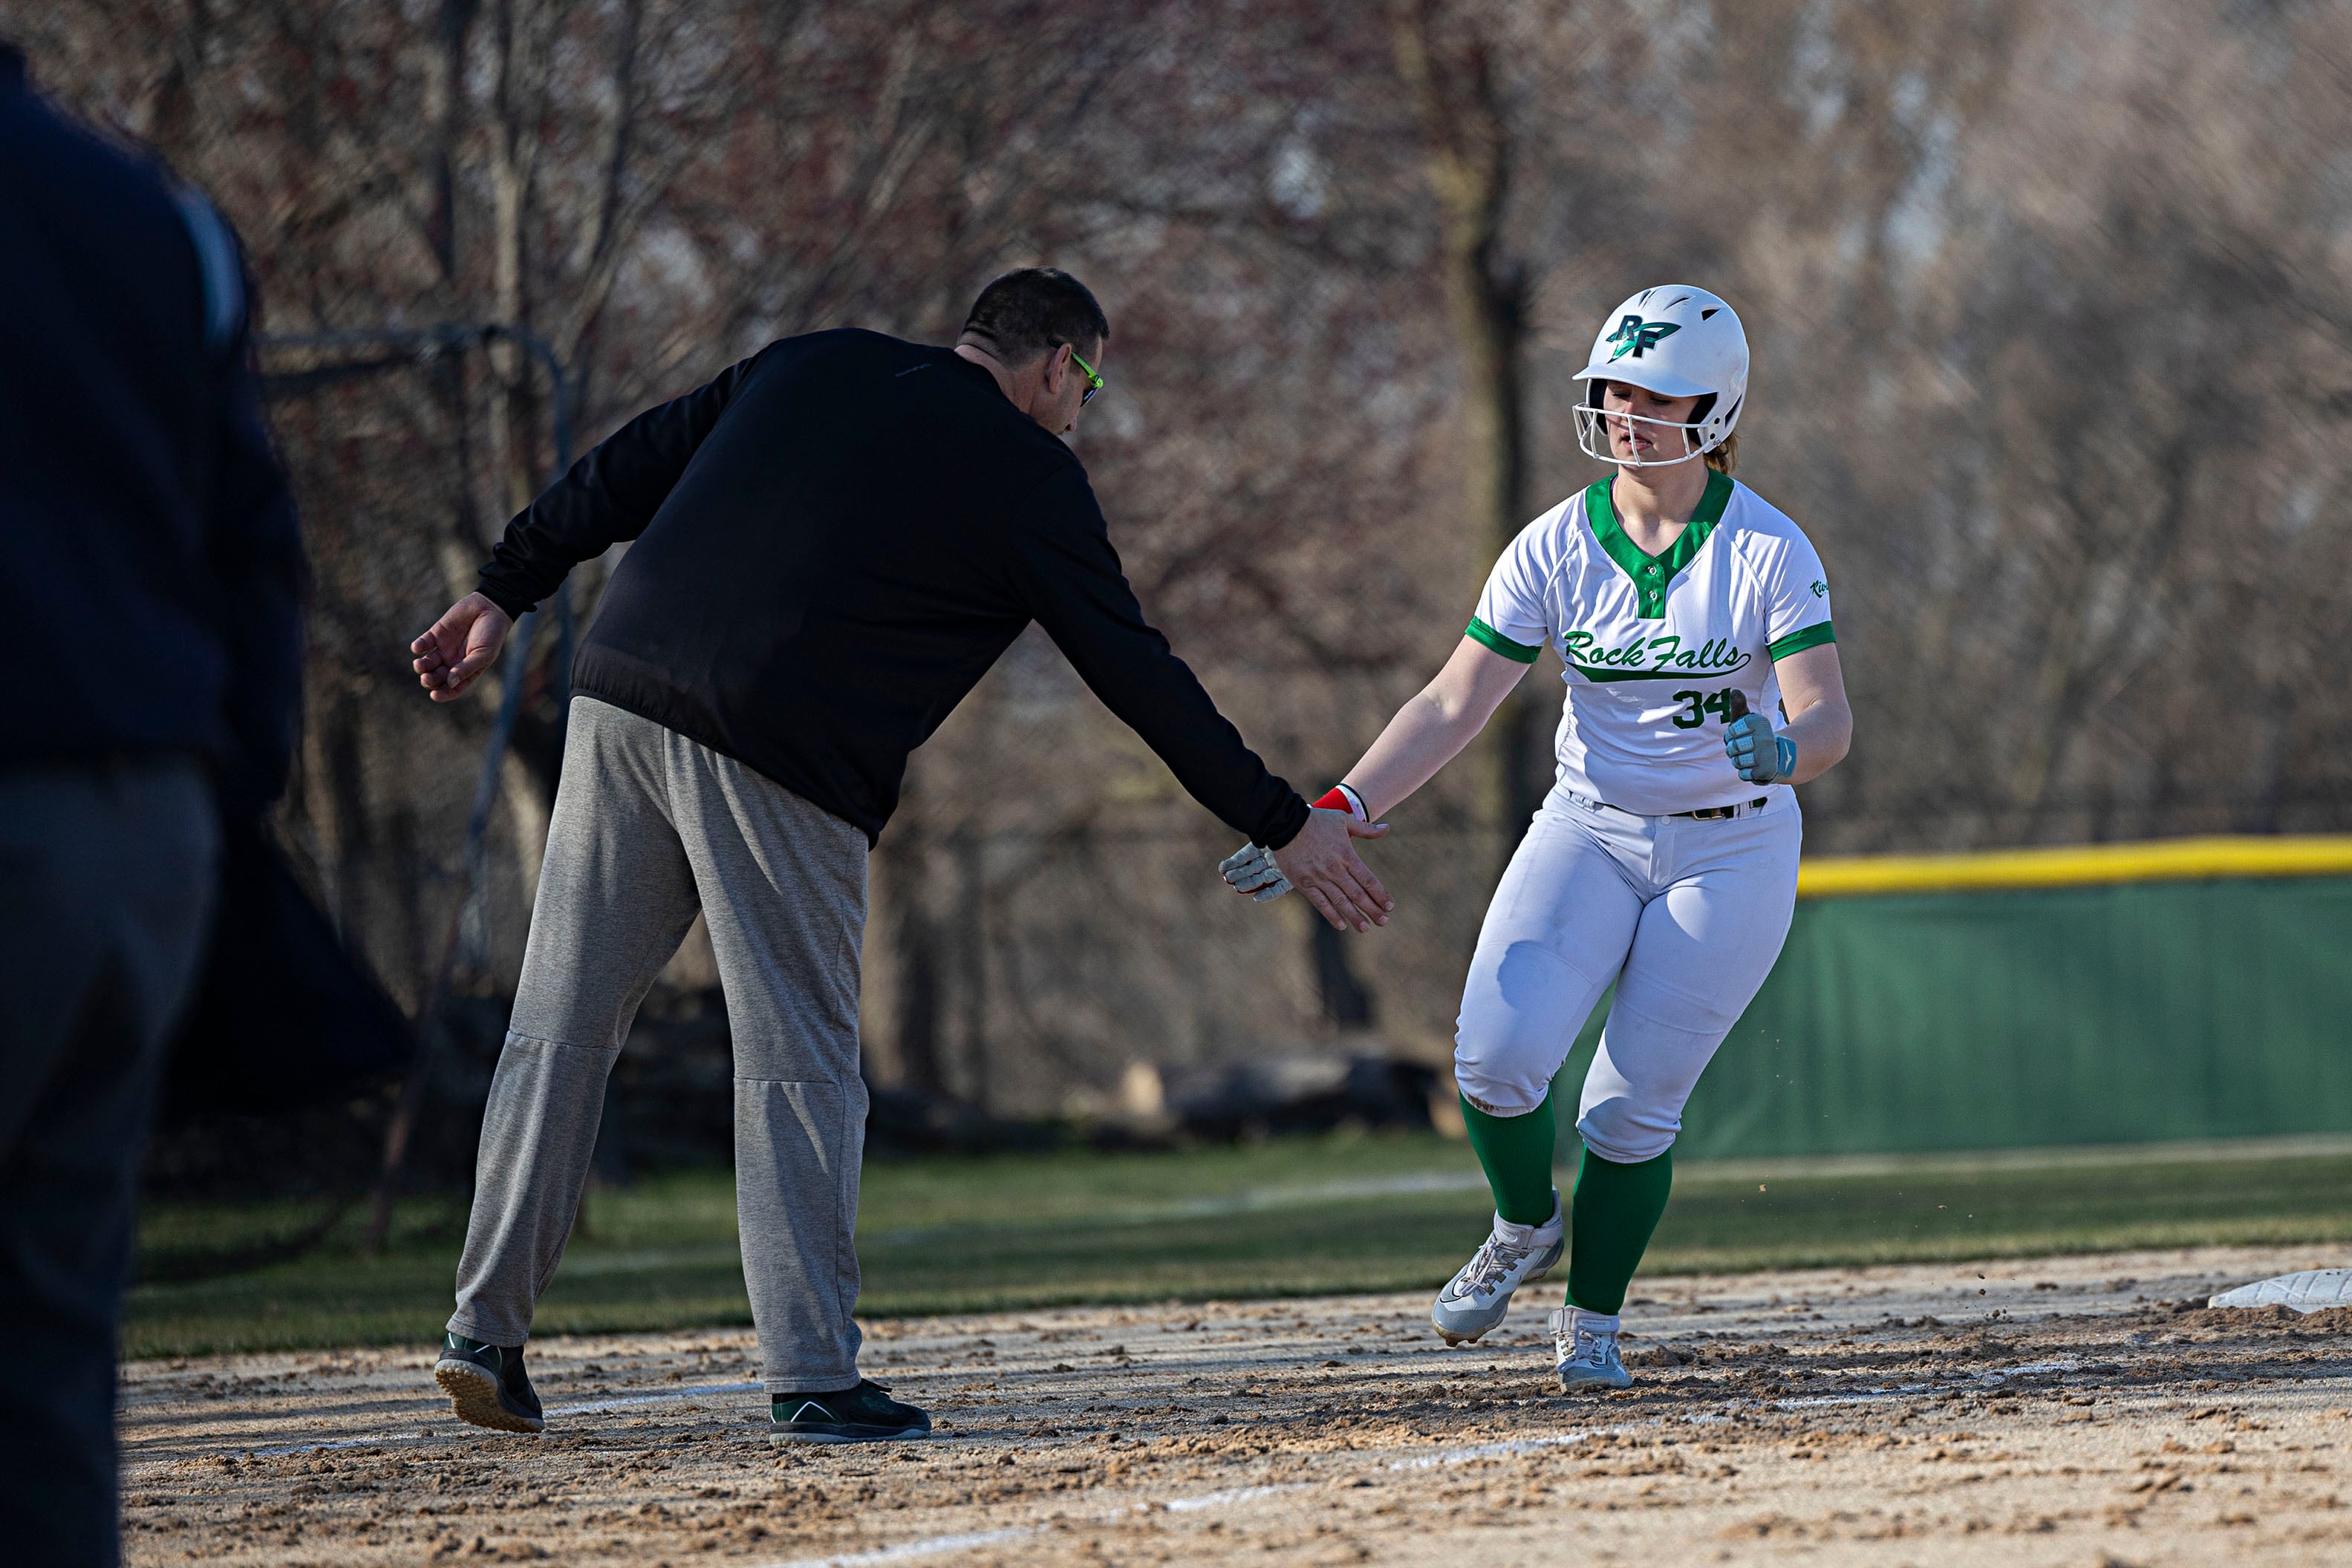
<point>107,882</point>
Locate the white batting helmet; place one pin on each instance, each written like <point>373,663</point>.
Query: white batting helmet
<point>1677,341</point>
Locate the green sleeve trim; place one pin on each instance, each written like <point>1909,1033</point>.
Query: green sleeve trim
<point>1805,637</point>
<point>1479,632</point>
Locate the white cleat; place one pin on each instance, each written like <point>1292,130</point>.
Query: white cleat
<point>1474,1299</point>
<point>1587,1346</point>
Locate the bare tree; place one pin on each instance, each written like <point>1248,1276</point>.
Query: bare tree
<point>2051,349</point>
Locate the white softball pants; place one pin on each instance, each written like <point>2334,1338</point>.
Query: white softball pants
<point>1685,916</point>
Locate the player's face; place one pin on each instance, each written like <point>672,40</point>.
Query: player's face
<point>1633,437</point>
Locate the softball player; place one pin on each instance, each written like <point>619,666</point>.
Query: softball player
<point>1688,613</point>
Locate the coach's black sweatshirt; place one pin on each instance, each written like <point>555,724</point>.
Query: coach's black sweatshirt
<point>835,540</point>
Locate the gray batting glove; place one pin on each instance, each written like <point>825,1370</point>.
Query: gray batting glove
<point>1251,869</point>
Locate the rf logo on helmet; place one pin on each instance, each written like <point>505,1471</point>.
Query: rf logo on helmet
<point>1675,341</point>
<point>1637,336</point>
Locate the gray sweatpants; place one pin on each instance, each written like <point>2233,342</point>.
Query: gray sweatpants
<point>649,828</point>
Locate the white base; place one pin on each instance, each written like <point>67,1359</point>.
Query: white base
<point>2312,1291</point>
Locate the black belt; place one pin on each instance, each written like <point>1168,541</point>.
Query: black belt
<point>1706,814</point>
<point>1717,814</point>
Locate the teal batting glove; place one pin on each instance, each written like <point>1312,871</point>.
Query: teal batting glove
<point>1762,756</point>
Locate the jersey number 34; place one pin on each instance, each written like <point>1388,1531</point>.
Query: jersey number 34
<point>1698,704</point>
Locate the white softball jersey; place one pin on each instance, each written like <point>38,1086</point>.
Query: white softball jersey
<point>1654,644</point>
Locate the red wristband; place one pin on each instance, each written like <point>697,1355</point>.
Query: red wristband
<point>1339,798</point>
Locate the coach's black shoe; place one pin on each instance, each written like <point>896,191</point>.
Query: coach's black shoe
<point>861,1415</point>
<point>487,1385</point>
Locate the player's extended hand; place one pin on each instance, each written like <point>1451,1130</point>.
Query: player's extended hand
<point>1322,864</point>
<point>1762,756</point>
<point>460,645</point>
<point>1251,868</point>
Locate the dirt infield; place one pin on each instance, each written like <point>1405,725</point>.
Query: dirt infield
<point>2079,1411</point>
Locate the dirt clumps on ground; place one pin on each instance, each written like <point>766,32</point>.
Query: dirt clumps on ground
<point>2060,1411</point>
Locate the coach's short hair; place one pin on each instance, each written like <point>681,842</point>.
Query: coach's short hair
<point>1028,310</point>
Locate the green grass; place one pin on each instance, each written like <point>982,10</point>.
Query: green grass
<point>1295,1216</point>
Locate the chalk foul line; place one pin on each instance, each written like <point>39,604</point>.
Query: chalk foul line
<point>586,1408</point>
<point>1214,1499</point>
<point>1991,1379</point>
<point>936,1545</point>
<point>1500,1451</point>
<point>626,1402</point>
<point>933,1545</point>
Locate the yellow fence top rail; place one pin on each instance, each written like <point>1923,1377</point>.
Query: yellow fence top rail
<point>2076,865</point>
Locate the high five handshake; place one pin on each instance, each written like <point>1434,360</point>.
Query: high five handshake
<point>1426,733</point>
<point>1253,870</point>
<point>1347,892</point>
<point>1322,863</point>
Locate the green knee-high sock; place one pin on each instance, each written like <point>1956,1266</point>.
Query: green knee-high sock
<point>1517,1152</point>
<point>1610,1220</point>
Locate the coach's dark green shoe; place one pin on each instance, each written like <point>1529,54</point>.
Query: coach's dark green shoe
<point>487,1385</point>
<point>861,1415</point>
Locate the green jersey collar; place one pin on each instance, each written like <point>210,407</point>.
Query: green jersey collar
<point>1652,574</point>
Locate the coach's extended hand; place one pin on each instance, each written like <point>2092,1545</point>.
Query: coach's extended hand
<point>1323,865</point>
<point>460,645</point>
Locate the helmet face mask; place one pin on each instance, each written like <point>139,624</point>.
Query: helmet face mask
<point>1677,442</point>
<point>1675,341</point>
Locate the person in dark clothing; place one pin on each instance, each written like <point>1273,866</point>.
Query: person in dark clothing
<point>834,541</point>
<point>147,550</point>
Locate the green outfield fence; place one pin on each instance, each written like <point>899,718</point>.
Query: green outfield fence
<point>2127,993</point>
